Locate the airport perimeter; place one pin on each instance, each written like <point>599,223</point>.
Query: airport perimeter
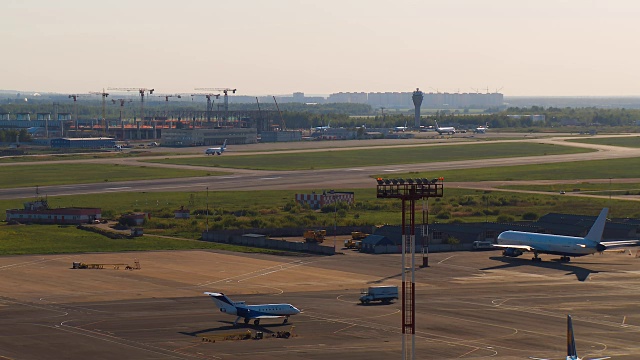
<point>470,305</point>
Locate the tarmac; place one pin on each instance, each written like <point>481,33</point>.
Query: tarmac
<point>469,305</point>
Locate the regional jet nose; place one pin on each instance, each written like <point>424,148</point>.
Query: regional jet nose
<point>297,311</point>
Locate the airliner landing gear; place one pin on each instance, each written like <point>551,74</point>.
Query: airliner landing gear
<point>565,259</point>
<point>286,319</point>
<point>535,257</point>
<point>246,320</point>
<point>256,322</point>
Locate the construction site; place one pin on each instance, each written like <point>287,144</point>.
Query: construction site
<point>178,125</point>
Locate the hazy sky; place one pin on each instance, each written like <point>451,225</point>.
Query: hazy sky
<point>542,47</point>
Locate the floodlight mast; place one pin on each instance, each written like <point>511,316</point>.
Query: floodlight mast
<point>409,191</point>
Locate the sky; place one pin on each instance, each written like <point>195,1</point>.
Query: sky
<point>263,47</point>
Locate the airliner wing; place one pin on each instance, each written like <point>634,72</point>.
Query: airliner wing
<point>520,247</point>
<point>618,243</point>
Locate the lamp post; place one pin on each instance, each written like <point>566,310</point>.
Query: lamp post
<point>335,218</point>
<point>207,210</point>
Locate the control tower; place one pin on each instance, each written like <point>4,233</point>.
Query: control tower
<point>417,102</point>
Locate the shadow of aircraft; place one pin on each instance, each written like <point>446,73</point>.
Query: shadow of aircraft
<point>581,273</point>
<point>239,327</point>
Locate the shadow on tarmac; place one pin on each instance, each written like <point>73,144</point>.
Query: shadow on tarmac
<point>239,327</point>
<point>581,273</point>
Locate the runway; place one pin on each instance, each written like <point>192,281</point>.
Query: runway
<point>340,178</point>
<point>469,305</point>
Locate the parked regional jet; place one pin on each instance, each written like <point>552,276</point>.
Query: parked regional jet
<point>445,130</point>
<point>572,354</point>
<point>515,243</point>
<point>252,312</point>
<point>217,150</point>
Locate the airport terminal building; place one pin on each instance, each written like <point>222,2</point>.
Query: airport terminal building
<point>208,137</point>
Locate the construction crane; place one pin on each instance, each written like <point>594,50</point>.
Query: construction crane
<point>75,108</point>
<point>209,103</point>
<point>104,100</point>
<point>122,102</point>
<point>226,97</point>
<point>166,97</point>
<point>284,126</point>
<point>142,92</point>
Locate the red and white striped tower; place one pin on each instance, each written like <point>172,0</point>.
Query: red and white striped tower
<point>409,191</point>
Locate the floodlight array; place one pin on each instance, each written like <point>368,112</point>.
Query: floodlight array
<point>410,188</point>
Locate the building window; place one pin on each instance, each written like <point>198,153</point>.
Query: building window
<point>437,235</point>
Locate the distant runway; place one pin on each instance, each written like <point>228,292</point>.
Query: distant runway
<point>344,178</point>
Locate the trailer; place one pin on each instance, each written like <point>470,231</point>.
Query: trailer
<point>385,294</point>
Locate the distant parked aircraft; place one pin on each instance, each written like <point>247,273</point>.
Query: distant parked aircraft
<point>321,128</point>
<point>401,128</point>
<point>515,243</point>
<point>445,130</point>
<point>252,312</point>
<point>572,354</point>
<point>217,150</point>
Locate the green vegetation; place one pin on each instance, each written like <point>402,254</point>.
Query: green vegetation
<point>595,169</point>
<point>376,157</point>
<point>53,239</point>
<point>47,154</point>
<point>58,174</point>
<point>627,141</point>
<point>274,209</point>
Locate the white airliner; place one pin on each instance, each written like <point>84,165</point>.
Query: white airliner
<point>481,129</point>
<point>217,150</point>
<point>445,130</point>
<point>515,243</point>
<point>321,128</point>
<point>401,128</point>
<point>572,354</point>
<point>252,312</point>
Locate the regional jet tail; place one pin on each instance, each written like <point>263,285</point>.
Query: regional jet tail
<point>217,150</point>
<point>572,354</point>
<point>252,312</point>
<point>322,128</point>
<point>515,243</point>
<point>445,130</point>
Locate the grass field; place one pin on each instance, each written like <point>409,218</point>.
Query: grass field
<point>48,156</point>
<point>373,157</point>
<point>59,174</point>
<point>52,239</point>
<point>595,169</point>
<point>631,142</point>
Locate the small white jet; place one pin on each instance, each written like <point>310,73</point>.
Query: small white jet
<point>445,130</point>
<point>515,243</point>
<point>572,354</point>
<point>252,312</point>
<point>217,150</point>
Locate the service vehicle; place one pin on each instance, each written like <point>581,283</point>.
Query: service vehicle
<point>383,293</point>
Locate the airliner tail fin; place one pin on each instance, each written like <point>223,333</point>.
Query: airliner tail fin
<point>595,234</point>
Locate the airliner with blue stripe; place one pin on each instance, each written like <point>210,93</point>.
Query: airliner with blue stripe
<point>252,312</point>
